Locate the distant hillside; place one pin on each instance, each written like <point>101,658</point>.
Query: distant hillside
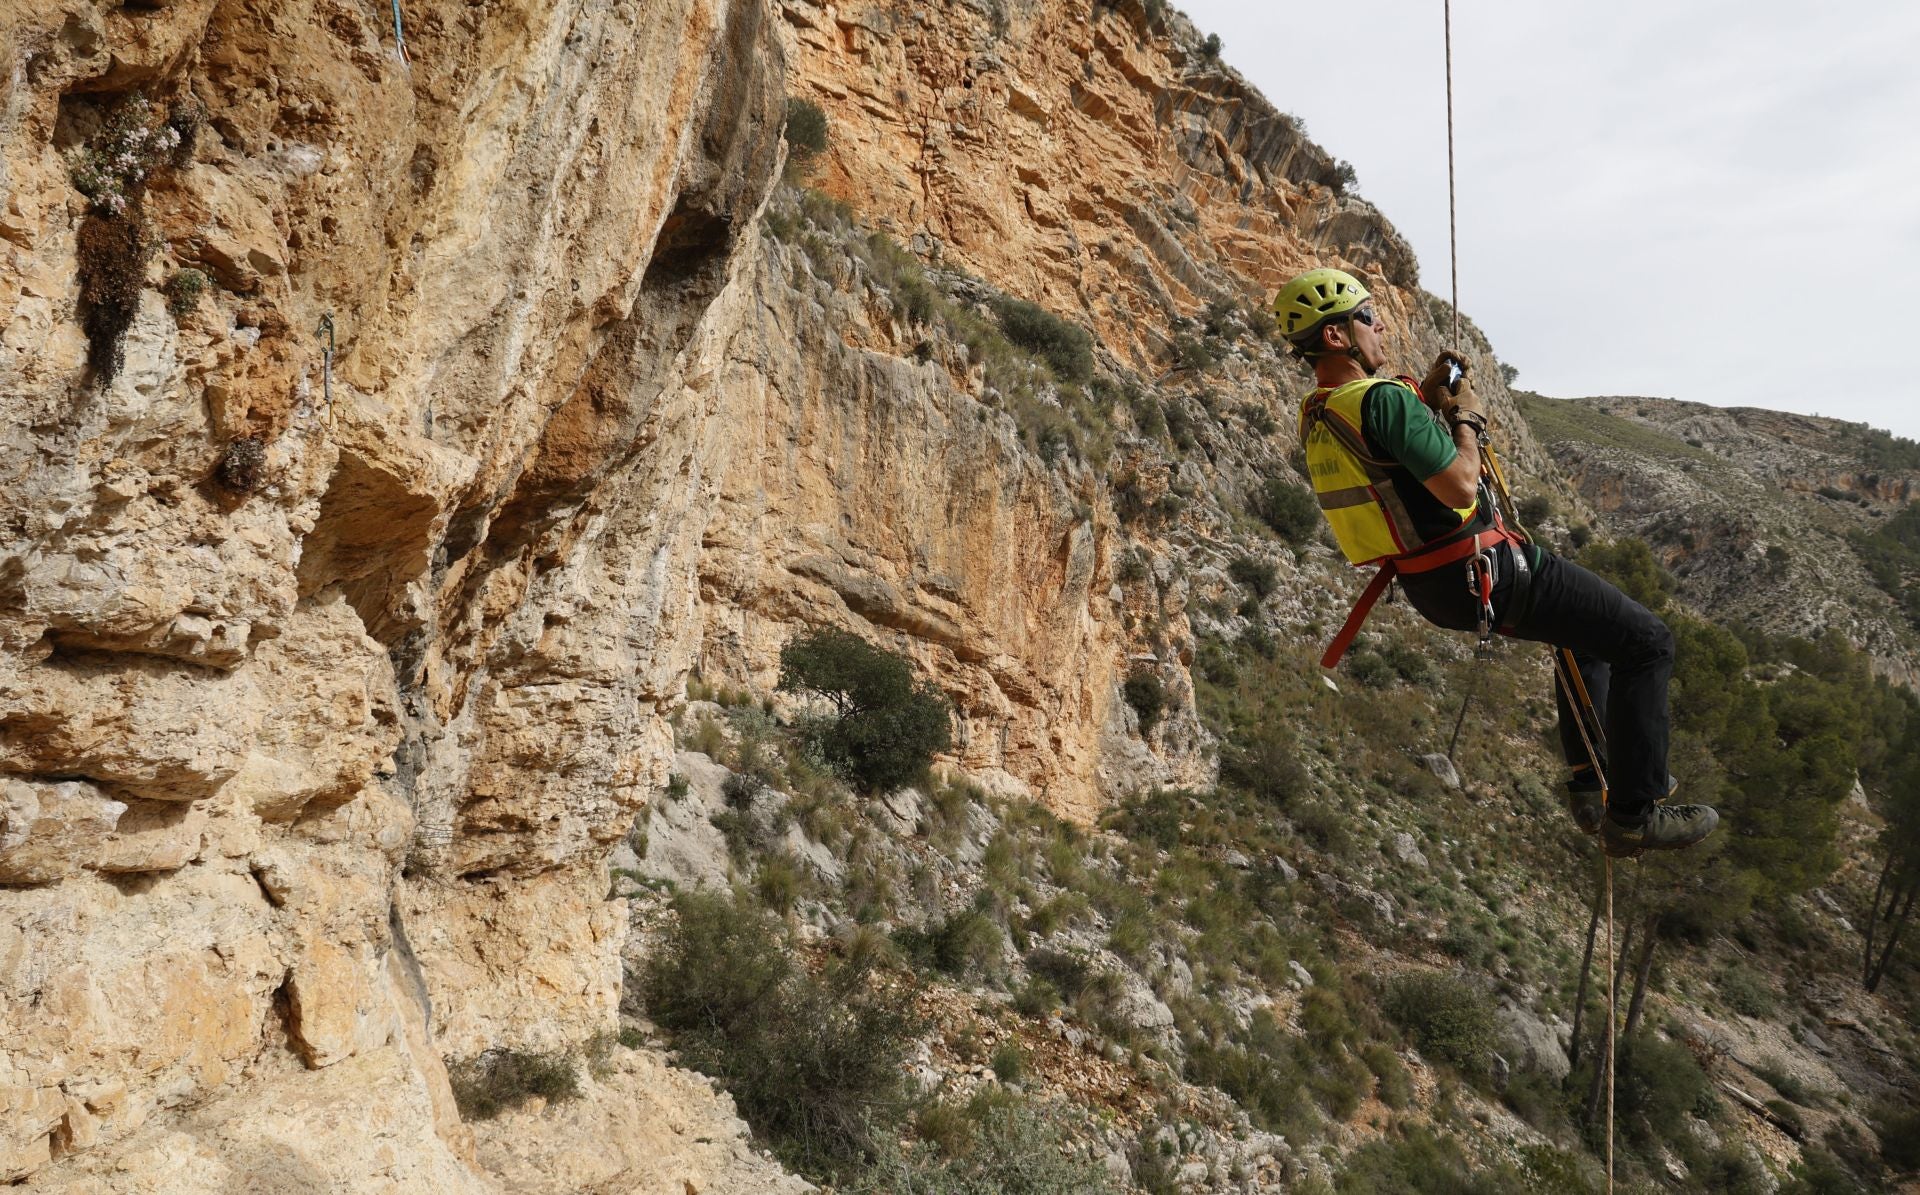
<point>1763,517</point>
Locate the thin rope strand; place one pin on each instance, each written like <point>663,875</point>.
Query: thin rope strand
<point>1612,983</point>
<point>1453,241</point>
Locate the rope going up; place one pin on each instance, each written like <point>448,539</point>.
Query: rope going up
<point>1453,240</point>
<point>1564,664</point>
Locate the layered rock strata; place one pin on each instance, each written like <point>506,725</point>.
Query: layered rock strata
<point>326,678</point>
<point>388,433</point>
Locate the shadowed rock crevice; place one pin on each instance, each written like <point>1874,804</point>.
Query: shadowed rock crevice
<point>371,540</point>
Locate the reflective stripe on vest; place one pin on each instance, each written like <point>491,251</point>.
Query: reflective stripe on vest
<point>1354,488</point>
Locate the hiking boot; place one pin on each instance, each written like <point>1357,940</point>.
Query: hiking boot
<point>1587,801</point>
<point>1665,828</point>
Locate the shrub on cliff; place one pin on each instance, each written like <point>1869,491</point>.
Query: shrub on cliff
<point>1066,347</point>
<point>885,726</point>
<point>815,1063</point>
<point>1289,509</point>
<point>806,135</point>
<point>493,1082</point>
<point>996,1145</point>
<point>1450,1019</point>
<point>1148,697</point>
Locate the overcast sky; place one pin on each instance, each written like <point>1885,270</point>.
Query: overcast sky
<point>1708,200</point>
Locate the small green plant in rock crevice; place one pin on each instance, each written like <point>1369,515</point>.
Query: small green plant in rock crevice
<point>499,1080</point>
<point>111,169</point>
<point>184,289</point>
<point>806,131</point>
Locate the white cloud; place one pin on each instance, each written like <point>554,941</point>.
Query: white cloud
<point>1715,201</point>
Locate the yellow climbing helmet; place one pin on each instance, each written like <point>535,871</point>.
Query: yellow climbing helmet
<point>1314,298</point>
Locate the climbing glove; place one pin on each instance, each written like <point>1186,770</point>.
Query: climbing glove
<point>1434,389</point>
<point>1463,406</point>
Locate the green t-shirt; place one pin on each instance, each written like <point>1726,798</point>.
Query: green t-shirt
<point>1399,426</point>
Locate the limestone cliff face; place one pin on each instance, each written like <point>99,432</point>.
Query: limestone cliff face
<point>301,663</point>
<point>332,662</point>
<point>1093,158</point>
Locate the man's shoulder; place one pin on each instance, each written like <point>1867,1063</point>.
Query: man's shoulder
<point>1390,401</point>
<point>1392,390</point>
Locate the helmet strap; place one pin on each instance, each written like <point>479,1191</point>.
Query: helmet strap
<point>1353,349</point>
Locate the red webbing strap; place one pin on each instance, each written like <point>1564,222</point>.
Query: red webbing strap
<point>1358,615</point>
<point>1443,553</point>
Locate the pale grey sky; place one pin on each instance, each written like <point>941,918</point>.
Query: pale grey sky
<point>1715,200</point>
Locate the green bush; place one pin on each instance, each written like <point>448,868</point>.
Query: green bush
<point>184,290</point>
<point>1259,420</point>
<point>886,727</point>
<point>1179,426</point>
<point>967,943</point>
<point>1657,1084</point>
<point>1263,760</point>
<point>1291,510</point>
<point>491,1083</point>
<point>1065,347</point>
<point>1369,668</point>
<point>1449,1017</point>
<point>1260,576</point>
<point>1396,1084</point>
<point>815,1064</point>
<point>1264,1071</point>
<point>1148,697</point>
<point>1013,1148</point>
<point>1009,1062</point>
<point>806,134</point>
<point>1819,1173</point>
<point>1189,353</point>
<point>1898,1127</point>
<point>1418,1163</point>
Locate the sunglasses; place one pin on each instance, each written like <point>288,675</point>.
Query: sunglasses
<point>1366,316</point>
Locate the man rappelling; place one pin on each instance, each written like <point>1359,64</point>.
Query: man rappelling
<point>1400,469</point>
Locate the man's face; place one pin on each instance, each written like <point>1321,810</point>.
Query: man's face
<point>1368,328</point>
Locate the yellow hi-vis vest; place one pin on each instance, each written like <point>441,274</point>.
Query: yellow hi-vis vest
<point>1354,488</point>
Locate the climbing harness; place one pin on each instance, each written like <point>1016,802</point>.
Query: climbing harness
<point>325,329</point>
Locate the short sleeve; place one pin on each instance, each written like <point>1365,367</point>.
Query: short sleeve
<point>1394,418</point>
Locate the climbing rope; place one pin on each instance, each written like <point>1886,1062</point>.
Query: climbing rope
<point>400,34</point>
<point>1568,671</point>
<point>1613,983</point>
<point>1586,718</point>
<point>1453,241</point>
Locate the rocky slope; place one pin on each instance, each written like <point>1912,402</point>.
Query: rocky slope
<point>1750,510</point>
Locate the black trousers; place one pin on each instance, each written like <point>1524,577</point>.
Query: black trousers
<point>1624,653</point>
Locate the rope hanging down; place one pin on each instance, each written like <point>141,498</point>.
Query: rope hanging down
<point>1569,673</point>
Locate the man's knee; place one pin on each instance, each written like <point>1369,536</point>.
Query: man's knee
<point>1652,640</point>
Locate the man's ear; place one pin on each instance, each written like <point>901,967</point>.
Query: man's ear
<point>1335,337</point>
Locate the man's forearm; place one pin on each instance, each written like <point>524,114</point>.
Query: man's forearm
<point>1467,441</point>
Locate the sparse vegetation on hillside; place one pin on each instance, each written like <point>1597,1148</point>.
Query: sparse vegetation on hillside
<point>1036,365</point>
<point>500,1080</point>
